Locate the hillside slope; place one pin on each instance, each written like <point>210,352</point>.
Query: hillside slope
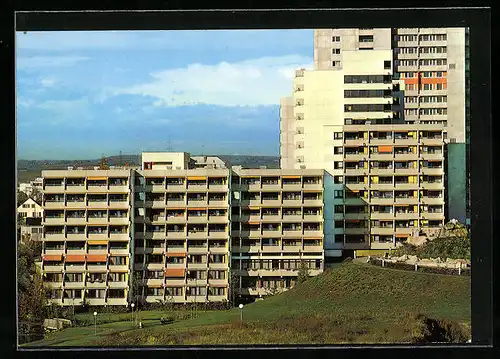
<point>354,303</point>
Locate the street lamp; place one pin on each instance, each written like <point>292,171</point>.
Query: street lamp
<point>133,305</point>
<point>95,323</point>
<point>241,312</point>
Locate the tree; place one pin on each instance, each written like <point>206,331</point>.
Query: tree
<point>303,274</point>
<point>36,195</point>
<point>32,297</point>
<point>21,198</point>
<point>136,286</point>
<point>104,164</point>
<point>234,285</point>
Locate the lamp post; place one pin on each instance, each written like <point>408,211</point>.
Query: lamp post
<point>95,323</point>
<point>241,312</point>
<point>133,305</point>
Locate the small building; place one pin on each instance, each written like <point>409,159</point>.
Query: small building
<point>32,228</point>
<point>30,209</point>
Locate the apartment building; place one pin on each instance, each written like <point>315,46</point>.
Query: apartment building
<point>433,64</point>
<point>168,232</point>
<point>349,121</point>
<point>86,250</point>
<point>277,223</point>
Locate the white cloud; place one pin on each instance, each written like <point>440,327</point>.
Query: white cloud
<point>34,62</point>
<point>68,111</point>
<point>48,81</point>
<point>25,102</point>
<point>252,82</point>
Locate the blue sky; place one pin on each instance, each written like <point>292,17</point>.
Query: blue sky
<point>84,94</point>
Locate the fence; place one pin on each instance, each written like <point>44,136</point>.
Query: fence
<point>419,268</point>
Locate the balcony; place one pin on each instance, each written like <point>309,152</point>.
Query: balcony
<point>405,230</point>
<point>177,203</point>
<point>271,249</point>
<point>406,200</point>
<point>388,231</point>
<point>118,189</point>
<point>271,202</point>
<point>432,185</point>
<point>75,189</point>
<point>313,186</point>
<point>117,285</point>
<point>218,250</point>
<point>150,266</point>
<point>118,220</point>
<point>53,189</point>
<point>176,235</point>
<point>217,187</point>
<point>382,215</point>
<point>218,234</point>
<point>362,230</point>
<point>176,187</point>
<point>56,220</point>
<point>198,234</point>
<point>432,200</point>
<point>405,156</point>
<point>218,219</point>
<point>292,186</point>
<point>118,251</point>
<point>52,268</point>
<point>406,186</point>
<point>355,141</point>
<point>95,301</point>
<point>288,233</point>
<point>435,141</point>
<point>313,202</point>
<point>57,204</point>
<point>405,215</point>
<point>96,285</point>
<point>432,215</point>
<point>96,268</point>
<point>431,156</point>
<point>381,200</point>
<point>432,171</point>
<point>381,171</point>
<point>218,265</point>
<point>58,236</point>
<point>176,219</point>
<point>74,285</point>
<point>197,249</point>
<point>116,301</point>
<point>197,265</point>
<point>197,219</point>
<point>75,268</point>
<point>381,186</point>
<point>292,218</point>
<point>356,186</point>
<point>175,282</point>
<point>96,204</point>
<point>406,171</point>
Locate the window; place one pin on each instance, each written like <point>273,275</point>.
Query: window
<point>339,238</point>
<point>335,51</point>
<point>338,179</point>
<point>339,223</point>
<point>335,38</point>
<point>365,38</point>
<point>338,150</point>
<point>337,135</point>
<point>338,165</point>
<point>338,194</point>
<point>387,65</point>
<point>335,63</point>
<point>339,208</point>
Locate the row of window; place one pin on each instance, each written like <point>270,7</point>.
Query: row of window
<point>370,79</point>
<point>421,50</point>
<point>424,74</point>
<point>367,108</point>
<point>423,62</point>
<point>425,99</point>
<point>434,37</point>
<point>425,87</point>
<point>426,111</point>
<point>366,93</point>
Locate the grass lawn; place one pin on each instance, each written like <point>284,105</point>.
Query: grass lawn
<point>352,303</point>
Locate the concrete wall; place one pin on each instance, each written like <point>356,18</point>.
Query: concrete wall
<point>287,145</point>
<point>457,182</point>
<point>456,83</point>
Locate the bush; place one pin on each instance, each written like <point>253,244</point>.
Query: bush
<point>444,247</point>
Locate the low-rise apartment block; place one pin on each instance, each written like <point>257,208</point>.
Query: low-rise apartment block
<point>169,233</point>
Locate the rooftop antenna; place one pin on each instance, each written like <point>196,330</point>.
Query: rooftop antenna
<point>169,147</point>
<point>121,160</point>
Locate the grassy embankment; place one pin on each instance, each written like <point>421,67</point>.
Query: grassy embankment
<point>354,303</point>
